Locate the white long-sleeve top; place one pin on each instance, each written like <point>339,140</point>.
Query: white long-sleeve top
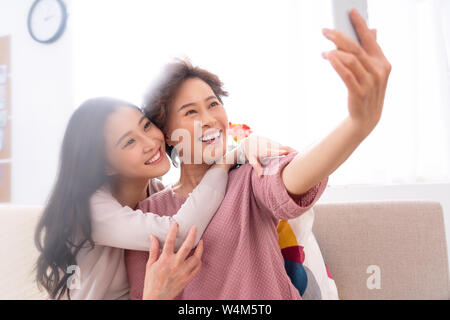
<point>100,272</point>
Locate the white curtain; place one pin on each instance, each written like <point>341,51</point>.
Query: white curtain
<point>268,53</point>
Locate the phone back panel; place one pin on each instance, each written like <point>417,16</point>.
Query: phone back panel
<point>341,18</point>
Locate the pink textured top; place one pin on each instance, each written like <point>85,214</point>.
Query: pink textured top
<point>241,258</point>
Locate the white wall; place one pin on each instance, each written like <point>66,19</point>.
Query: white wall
<point>41,77</point>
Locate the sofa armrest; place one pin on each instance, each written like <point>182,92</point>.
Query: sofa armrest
<point>18,253</point>
<point>404,239</point>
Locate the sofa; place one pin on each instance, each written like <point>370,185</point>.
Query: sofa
<point>374,250</point>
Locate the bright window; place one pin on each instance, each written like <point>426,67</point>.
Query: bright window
<point>268,54</point>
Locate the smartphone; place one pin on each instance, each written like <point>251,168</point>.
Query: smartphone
<point>341,18</point>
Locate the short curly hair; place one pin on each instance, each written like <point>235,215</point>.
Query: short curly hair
<point>157,98</point>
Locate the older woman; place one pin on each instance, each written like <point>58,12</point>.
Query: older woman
<point>242,258</point>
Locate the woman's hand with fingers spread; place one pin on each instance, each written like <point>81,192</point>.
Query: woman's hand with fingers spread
<point>364,70</point>
<point>168,273</point>
<point>253,149</point>
<point>256,148</point>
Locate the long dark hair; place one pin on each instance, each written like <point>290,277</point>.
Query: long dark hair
<point>65,225</point>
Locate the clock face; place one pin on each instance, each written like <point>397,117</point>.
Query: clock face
<point>47,20</point>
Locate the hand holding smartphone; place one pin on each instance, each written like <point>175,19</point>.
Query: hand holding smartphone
<point>341,18</point>
<point>361,65</point>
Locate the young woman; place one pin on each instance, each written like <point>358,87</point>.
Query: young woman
<point>111,154</point>
<point>242,257</point>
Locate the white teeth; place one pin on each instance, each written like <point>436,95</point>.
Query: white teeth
<point>210,137</point>
<point>156,157</point>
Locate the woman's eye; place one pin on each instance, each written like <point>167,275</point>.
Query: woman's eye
<point>190,112</point>
<point>214,104</point>
<point>147,125</point>
<point>128,143</point>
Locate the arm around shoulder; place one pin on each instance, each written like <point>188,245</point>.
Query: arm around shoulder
<point>120,226</point>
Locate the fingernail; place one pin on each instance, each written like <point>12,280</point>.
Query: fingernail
<point>325,55</point>
<point>327,32</point>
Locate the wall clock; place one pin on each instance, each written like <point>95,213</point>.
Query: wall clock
<point>47,20</point>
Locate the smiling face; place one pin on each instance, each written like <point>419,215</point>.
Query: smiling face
<point>135,147</point>
<point>195,114</point>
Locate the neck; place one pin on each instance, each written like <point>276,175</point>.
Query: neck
<point>190,177</point>
<point>129,192</point>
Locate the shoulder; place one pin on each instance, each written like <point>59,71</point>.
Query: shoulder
<point>103,194</point>
<point>271,165</point>
<point>156,199</point>
<point>102,204</point>
<point>155,185</point>
<point>163,192</point>
<point>239,171</point>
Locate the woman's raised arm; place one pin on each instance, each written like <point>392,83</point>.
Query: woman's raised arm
<point>365,71</point>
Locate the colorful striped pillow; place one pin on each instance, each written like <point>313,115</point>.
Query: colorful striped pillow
<point>303,260</point>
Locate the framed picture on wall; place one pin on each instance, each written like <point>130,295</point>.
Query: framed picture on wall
<point>5,122</point>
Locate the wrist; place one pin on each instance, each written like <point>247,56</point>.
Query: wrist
<point>148,295</point>
<point>359,129</point>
